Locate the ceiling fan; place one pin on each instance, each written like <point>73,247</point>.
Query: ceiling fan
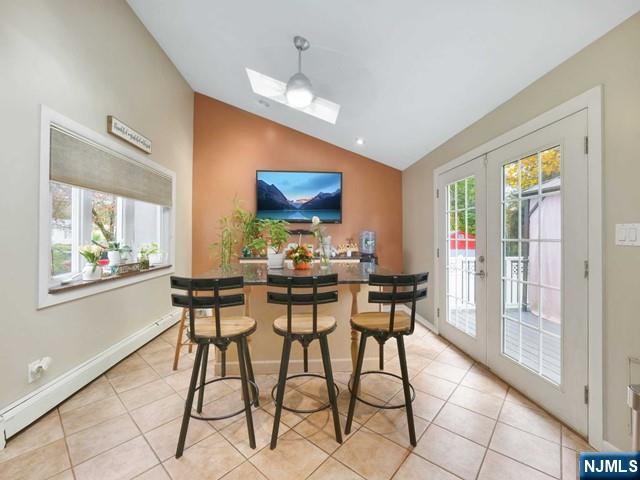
<point>298,92</point>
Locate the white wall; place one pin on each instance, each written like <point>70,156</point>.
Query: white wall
<point>612,61</point>
<point>86,59</point>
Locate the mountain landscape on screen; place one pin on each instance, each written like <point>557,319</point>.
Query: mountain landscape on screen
<point>298,196</point>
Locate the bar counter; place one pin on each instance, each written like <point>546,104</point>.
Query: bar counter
<point>266,346</point>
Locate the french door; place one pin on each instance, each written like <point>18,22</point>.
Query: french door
<point>461,251</point>
<point>533,281</point>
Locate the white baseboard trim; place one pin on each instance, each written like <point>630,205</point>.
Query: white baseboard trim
<point>608,447</point>
<point>420,319</point>
<point>26,410</point>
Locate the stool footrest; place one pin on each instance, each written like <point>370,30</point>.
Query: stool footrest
<point>254,402</point>
<point>385,407</point>
<point>295,410</point>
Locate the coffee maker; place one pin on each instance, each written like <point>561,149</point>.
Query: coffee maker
<point>368,247</point>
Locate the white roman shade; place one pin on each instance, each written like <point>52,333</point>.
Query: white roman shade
<point>79,162</point>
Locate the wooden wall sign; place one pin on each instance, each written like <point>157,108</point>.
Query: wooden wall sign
<point>128,134</point>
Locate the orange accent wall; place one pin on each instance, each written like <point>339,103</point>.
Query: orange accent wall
<point>230,144</point>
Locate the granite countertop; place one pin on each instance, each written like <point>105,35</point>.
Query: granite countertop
<point>256,273</point>
<point>354,256</point>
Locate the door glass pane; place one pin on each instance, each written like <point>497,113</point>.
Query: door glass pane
<point>532,262</point>
<point>510,225</point>
<point>461,247</point>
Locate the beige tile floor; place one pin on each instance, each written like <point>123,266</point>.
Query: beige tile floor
<point>125,425</point>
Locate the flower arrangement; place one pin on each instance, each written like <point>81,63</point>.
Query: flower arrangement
<point>92,254</point>
<point>318,229</point>
<point>301,256</point>
<point>324,241</point>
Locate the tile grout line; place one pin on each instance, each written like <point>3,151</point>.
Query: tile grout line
<point>408,451</point>
<point>66,445</point>
<point>493,431</point>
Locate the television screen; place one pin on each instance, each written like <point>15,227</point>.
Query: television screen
<point>297,196</point>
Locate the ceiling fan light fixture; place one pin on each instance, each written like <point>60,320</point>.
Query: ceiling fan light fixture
<point>299,92</point>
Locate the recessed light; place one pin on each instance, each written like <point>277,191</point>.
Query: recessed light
<point>360,140</point>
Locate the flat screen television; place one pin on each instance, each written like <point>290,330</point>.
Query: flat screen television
<point>298,196</point>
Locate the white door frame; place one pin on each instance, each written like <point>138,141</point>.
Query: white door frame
<point>592,101</point>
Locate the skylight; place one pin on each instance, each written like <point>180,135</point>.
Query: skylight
<point>273,89</point>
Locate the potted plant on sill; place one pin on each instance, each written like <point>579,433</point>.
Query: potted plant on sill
<point>113,254</point>
<point>301,256</point>
<point>149,255</point>
<point>91,271</point>
<point>273,236</point>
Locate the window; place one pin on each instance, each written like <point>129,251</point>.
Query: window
<point>96,190</point>
<point>532,262</point>
<point>82,217</point>
<point>461,255</point>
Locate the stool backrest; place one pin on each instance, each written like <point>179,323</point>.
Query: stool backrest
<point>403,289</point>
<point>205,293</point>
<point>291,299</point>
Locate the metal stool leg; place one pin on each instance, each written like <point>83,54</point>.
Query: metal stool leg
<point>282,382</point>
<point>176,356</point>
<point>407,392</point>
<point>252,378</point>
<point>242,348</point>
<point>203,377</point>
<point>189,402</point>
<point>328,373</point>
<point>305,358</point>
<point>356,383</point>
<point>223,363</point>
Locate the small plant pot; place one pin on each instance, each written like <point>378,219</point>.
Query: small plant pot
<point>156,259</point>
<point>275,260</point>
<point>114,258</point>
<point>91,273</point>
<point>302,265</point>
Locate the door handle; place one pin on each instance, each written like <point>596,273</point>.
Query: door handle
<point>480,274</point>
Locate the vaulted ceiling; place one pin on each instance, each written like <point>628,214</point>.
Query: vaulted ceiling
<point>408,74</point>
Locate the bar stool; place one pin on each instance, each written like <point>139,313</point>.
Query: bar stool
<point>384,325</point>
<point>304,328</point>
<point>219,332</point>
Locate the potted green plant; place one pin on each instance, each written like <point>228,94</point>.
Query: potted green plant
<point>113,253</point>
<point>92,270</point>
<point>246,226</point>
<point>273,236</point>
<point>223,248</point>
<point>149,255</point>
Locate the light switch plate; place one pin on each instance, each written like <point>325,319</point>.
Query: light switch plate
<point>628,234</point>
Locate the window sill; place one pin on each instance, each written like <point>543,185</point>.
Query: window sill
<point>56,295</point>
<point>83,284</point>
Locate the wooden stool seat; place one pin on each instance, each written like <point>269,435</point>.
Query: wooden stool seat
<point>302,324</point>
<point>229,326</point>
<point>379,321</point>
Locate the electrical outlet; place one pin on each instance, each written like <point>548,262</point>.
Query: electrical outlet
<point>37,368</point>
